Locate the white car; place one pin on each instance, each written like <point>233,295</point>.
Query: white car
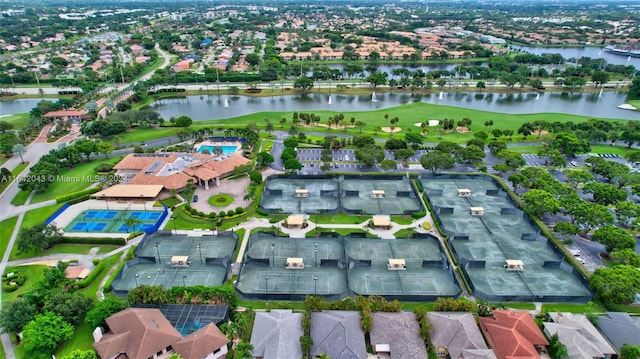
<point>574,163</point>
<point>581,260</point>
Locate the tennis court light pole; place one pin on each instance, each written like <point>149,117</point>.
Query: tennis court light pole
<point>273,254</point>
<point>136,277</point>
<point>315,285</point>
<point>200,251</point>
<point>157,251</point>
<point>315,250</point>
<point>183,283</point>
<point>266,286</point>
<point>175,231</point>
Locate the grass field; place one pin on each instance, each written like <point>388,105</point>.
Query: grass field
<point>72,179</point>
<point>34,274</point>
<point>14,173</point>
<point>6,228</point>
<point>338,218</point>
<point>590,307</point>
<point>18,120</point>
<point>20,198</point>
<point>63,248</point>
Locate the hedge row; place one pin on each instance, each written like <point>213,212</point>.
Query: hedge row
<point>93,240</point>
<point>92,276</point>
<point>74,195</point>
<point>129,256</point>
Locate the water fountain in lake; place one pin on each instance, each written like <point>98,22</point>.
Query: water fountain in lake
<point>329,99</point>
<point>373,97</point>
<point>441,96</point>
<point>537,96</point>
<point>226,102</point>
<point>600,94</point>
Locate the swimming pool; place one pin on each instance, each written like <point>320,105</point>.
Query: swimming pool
<point>210,148</point>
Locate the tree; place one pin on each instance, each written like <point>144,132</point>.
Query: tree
<point>600,78</point>
<point>615,285</point>
<point>626,256</point>
<point>614,238</point>
<point>388,165</point>
<point>590,215</point>
<point>377,78</point>
<point>104,148</point>
<point>264,159</point>
<point>363,141</point>
<point>290,142</point>
<point>19,149</point>
<point>626,210</point>
<point>255,177</point>
<point>541,202</point>
<point>86,147</point>
<point>292,164</point>
<point>496,147</point>
<point>557,350</point>
<point>403,154</point>
<point>394,144</point>
<point>103,310</point>
<point>244,350</point>
<point>512,159</point>
<point>577,175</point>
<point>569,144</point>
<point>40,236</point>
<point>369,155</point>
<point>43,334</point>
<point>472,154</point>
<point>82,354</point>
<point>630,351</point>
<point>414,138</point>
<point>72,307</point>
<point>253,59</point>
<point>5,126</point>
<point>183,121</point>
<point>303,84</point>
<point>16,314</point>
<point>436,160</point>
<point>605,194</point>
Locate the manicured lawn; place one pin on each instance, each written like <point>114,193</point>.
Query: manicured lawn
<point>18,120</point>
<point>338,218</point>
<point>404,233</point>
<point>15,172</point>
<point>402,219</point>
<point>340,231</point>
<point>240,233</point>
<point>82,339</point>
<point>33,273</point>
<point>62,248</point>
<point>20,198</point>
<point>90,291</point>
<point>619,150</point>
<point>73,179</point>
<point>141,134</point>
<point>6,228</point>
<point>39,215</point>
<point>590,307</point>
<point>170,202</point>
<point>523,306</point>
<point>220,200</point>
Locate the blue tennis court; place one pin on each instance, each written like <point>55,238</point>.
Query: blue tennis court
<point>115,221</point>
<point>145,215</point>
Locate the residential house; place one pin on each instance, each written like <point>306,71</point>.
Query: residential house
<point>337,334</point>
<point>397,334</point>
<point>620,329</point>
<point>456,335</point>
<point>145,333</point>
<point>513,334</point>
<point>276,335</point>
<point>581,338</point>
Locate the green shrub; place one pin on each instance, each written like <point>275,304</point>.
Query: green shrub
<point>92,276</point>
<point>90,240</point>
<point>273,220</point>
<point>20,279</point>
<point>239,210</point>
<point>262,212</point>
<point>103,167</point>
<point>193,211</point>
<point>75,195</point>
<point>418,214</point>
<point>133,235</point>
<point>96,261</point>
<point>9,288</point>
<point>212,215</point>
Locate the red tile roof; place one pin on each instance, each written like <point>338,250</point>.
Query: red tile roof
<point>198,344</point>
<point>65,113</point>
<point>513,334</point>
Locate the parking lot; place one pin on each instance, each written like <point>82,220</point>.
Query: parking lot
<point>345,161</point>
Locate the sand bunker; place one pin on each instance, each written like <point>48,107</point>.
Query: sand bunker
<point>388,129</point>
<point>461,129</point>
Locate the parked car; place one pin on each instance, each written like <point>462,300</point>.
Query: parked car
<point>581,260</point>
<point>195,198</point>
<point>574,163</point>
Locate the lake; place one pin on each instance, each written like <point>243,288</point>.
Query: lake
<point>220,107</point>
<point>9,107</point>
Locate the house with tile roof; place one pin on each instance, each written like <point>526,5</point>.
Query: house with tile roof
<point>456,335</point>
<point>620,329</point>
<point>581,338</point>
<point>337,334</point>
<point>145,333</point>
<point>397,334</point>
<point>513,334</point>
<point>174,170</point>
<point>71,114</point>
<point>276,334</point>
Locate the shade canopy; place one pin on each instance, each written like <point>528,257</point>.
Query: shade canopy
<point>129,191</point>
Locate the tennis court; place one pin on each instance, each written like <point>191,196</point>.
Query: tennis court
<point>426,275</point>
<point>349,194</point>
<point>208,259</point>
<point>114,221</point>
<point>501,233</point>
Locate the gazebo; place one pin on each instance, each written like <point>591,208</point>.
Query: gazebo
<point>476,211</point>
<point>396,264</point>
<point>302,193</point>
<point>381,222</point>
<point>514,265</point>
<point>295,263</point>
<point>464,192</point>
<point>295,221</point>
<point>377,193</point>
<point>180,261</point>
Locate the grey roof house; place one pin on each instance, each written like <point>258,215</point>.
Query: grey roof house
<point>581,338</point>
<point>397,334</point>
<point>620,329</point>
<point>276,335</point>
<point>337,334</point>
<point>458,335</point>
